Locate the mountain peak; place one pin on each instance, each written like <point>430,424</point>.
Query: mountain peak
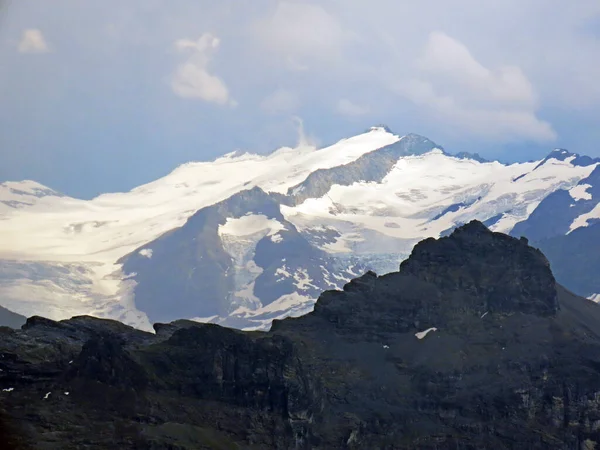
<point>561,154</point>
<point>381,127</point>
<point>28,187</point>
<point>20,194</point>
<point>473,156</point>
<point>504,274</point>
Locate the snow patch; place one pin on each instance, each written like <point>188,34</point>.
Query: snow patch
<point>250,224</point>
<point>245,297</point>
<point>47,395</point>
<point>422,334</point>
<point>582,220</point>
<point>209,319</point>
<point>595,298</point>
<point>579,192</point>
<point>283,272</point>
<point>303,280</point>
<point>289,305</point>
<point>8,390</point>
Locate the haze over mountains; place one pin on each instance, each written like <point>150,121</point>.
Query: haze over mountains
<point>246,238</point>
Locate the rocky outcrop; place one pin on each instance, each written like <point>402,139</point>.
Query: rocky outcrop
<point>500,273</point>
<point>471,345</point>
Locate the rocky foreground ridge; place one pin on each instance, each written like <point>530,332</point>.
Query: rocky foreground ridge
<point>471,345</point>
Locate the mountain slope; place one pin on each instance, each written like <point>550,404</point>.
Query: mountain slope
<point>442,355</point>
<point>575,259</point>
<point>234,260</point>
<point>248,238</point>
<point>566,227</point>
<point>565,210</point>
<point>10,319</point>
<point>23,194</point>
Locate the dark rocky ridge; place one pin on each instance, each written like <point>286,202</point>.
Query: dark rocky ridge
<point>493,268</point>
<point>514,363</point>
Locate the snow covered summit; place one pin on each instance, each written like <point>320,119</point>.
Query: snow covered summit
<point>245,239</point>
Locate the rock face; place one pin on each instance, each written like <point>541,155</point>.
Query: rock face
<point>471,345</point>
<point>500,273</point>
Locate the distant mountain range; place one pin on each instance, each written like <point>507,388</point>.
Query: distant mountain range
<point>247,239</point>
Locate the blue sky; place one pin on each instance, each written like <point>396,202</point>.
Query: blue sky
<point>104,96</point>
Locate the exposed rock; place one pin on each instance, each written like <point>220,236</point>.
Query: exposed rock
<point>474,156</point>
<point>192,267</point>
<point>500,273</point>
<point>466,347</point>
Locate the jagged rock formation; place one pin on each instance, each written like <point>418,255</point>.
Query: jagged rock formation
<point>471,345</point>
<point>492,268</point>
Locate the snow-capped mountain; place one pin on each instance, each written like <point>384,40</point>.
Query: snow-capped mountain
<point>22,194</point>
<point>566,227</point>
<point>248,238</point>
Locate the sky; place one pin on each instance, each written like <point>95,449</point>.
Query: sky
<point>104,96</point>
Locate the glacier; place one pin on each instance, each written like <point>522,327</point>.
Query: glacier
<point>312,220</point>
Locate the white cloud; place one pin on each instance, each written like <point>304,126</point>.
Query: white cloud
<point>280,101</point>
<point>300,32</point>
<point>459,91</point>
<point>448,59</point>
<point>33,41</point>
<point>192,78</point>
<point>348,108</point>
